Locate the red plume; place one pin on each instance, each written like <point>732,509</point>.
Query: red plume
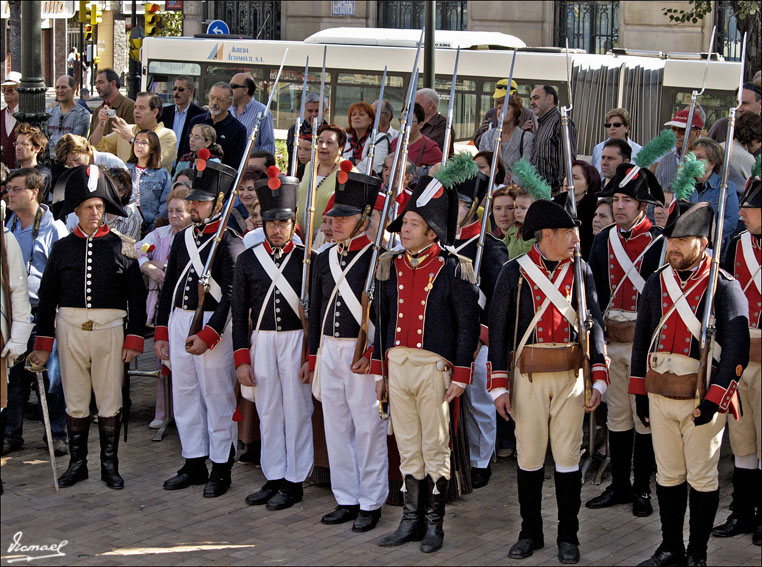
<point>274,183</point>
<point>273,171</point>
<point>346,166</point>
<point>343,177</point>
<point>237,415</point>
<point>203,153</point>
<point>200,164</point>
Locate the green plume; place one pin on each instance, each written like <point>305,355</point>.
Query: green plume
<point>756,171</point>
<point>457,170</point>
<point>656,148</point>
<point>685,179</point>
<point>530,180</point>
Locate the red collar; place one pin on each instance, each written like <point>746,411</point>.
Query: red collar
<point>103,230</point>
<point>286,249</point>
<point>703,268</point>
<point>473,229</point>
<point>640,227</point>
<point>431,253</point>
<point>210,228</point>
<point>357,243</point>
<point>536,256</point>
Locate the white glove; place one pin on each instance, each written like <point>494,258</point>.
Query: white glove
<point>17,344</point>
<point>13,350</point>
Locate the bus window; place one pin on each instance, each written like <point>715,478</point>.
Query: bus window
<point>161,76</point>
<point>358,87</point>
<point>288,100</point>
<point>464,110</point>
<point>224,73</point>
<point>715,105</point>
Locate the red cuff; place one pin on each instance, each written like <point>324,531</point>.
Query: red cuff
<point>313,362</point>
<point>133,342</point>
<point>241,356</point>
<point>637,386</point>
<point>484,334</point>
<point>376,367</point>
<point>600,372</point>
<point>721,396</point>
<point>43,343</point>
<point>461,374</point>
<point>209,336</point>
<point>496,378</point>
<point>368,353</point>
<point>161,334</point>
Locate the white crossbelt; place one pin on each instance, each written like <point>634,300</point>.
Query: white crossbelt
<point>282,284</point>
<point>482,297</point>
<point>549,289</point>
<point>751,261</point>
<point>195,258</point>
<point>635,278</point>
<point>341,283</point>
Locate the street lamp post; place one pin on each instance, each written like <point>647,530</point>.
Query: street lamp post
<point>32,88</point>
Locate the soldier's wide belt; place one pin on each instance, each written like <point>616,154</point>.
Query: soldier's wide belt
<point>535,359</point>
<point>92,319</point>
<point>755,348</point>
<point>673,376</point>
<point>620,326</point>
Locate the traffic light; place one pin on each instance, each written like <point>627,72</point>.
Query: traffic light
<point>135,45</point>
<point>153,20</point>
<point>88,32</point>
<point>84,12</point>
<point>96,14</point>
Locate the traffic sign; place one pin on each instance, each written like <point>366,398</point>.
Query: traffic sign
<point>218,27</point>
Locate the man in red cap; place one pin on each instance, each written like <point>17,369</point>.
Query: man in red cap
<point>667,168</point>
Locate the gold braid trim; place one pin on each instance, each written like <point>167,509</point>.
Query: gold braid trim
<point>384,266</point>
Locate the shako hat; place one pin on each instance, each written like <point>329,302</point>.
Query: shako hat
<point>546,214</point>
<point>436,204</point>
<point>355,193</point>
<point>210,179</point>
<point>641,185</point>
<point>78,184</point>
<point>752,195</point>
<point>277,195</point>
<point>689,219</point>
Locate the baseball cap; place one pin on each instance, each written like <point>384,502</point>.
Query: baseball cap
<point>680,119</point>
<point>500,87</point>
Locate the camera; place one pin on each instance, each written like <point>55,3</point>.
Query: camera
<point>111,112</point>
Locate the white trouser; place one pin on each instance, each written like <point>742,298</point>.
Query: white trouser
<point>203,389</point>
<point>354,433</point>
<point>481,425</point>
<point>284,406</point>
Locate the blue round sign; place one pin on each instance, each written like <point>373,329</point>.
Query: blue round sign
<point>218,27</point>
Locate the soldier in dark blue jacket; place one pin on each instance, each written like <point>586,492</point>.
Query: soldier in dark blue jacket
<point>267,343</point>
<point>428,330</point>
<point>665,379</point>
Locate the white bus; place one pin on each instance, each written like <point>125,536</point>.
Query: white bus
<point>650,85</point>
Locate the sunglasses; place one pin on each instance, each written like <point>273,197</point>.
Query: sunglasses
<point>234,86</point>
<point>503,88</point>
<point>614,124</point>
<point>178,89</point>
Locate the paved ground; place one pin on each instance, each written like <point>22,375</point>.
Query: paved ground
<point>144,524</point>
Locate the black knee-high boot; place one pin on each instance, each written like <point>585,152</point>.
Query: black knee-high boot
<point>530,505</point>
<point>620,489</point>
<point>79,428</point>
<point>673,500</point>
<point>109,428</point>
<point>703,509</point>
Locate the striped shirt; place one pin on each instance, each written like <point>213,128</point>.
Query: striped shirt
<point>667,169</point>
<point>266,136</point>
<point>548,151</point>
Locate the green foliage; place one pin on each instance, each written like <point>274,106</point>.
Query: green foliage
<point>281,155</point>
<point>530,180</point>
<point>756,171</point>
<point>700,8</point>
<point>685,179</point>
<point>172,22</point>
<point>457,170</point>
<point>656,148</point>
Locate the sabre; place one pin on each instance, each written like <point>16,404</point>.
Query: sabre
<point>38,371</point>
<point>706,338</point>
<point>299,121</point>
<point>450,107</point>
<point>374,132</point>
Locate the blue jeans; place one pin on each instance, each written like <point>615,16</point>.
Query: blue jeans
<point>19,383</point>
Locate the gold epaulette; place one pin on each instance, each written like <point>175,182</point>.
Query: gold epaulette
<point>128,245</point>
<point>383,269</point>
<point>466,267</point>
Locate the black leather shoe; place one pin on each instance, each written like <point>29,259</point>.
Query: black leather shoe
<point>480,477</point>
<point>568,552</point>
<point>524,548</point>
<point>665,558</point>
<point>219,481</point>
<point>641,505</point>
<point>341,515</point>
<point>192,472</point>
<point>733,526</point>
<point>366,520</point>
<point>77,471</point>
<point>695,561</point>
<point>608,499</point>
<point>261,496</point>
<point>289,494</point>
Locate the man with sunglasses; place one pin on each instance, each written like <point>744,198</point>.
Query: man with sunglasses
<point>178,116</point>
<point>246,108</point>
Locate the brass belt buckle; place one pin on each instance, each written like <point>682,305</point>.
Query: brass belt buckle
<point>87,326</point>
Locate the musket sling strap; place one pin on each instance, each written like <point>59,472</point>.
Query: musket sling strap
<point>195,258</point>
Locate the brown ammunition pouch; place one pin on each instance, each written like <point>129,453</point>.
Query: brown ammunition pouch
<point>755,347</point>
<point>535,359</point>
<point>620,331</point>
<point>673,376</point>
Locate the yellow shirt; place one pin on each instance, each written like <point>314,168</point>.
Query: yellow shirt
<point>115,144</point>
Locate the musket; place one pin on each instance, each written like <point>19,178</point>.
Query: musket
<point>204,277</point>
<point>491,185</point>
<point>309,205</point>
<point>450,108</point>
<point>391,191</point>
<point>374,132</point>
<point>299,121</point>
<point>706,338</point>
